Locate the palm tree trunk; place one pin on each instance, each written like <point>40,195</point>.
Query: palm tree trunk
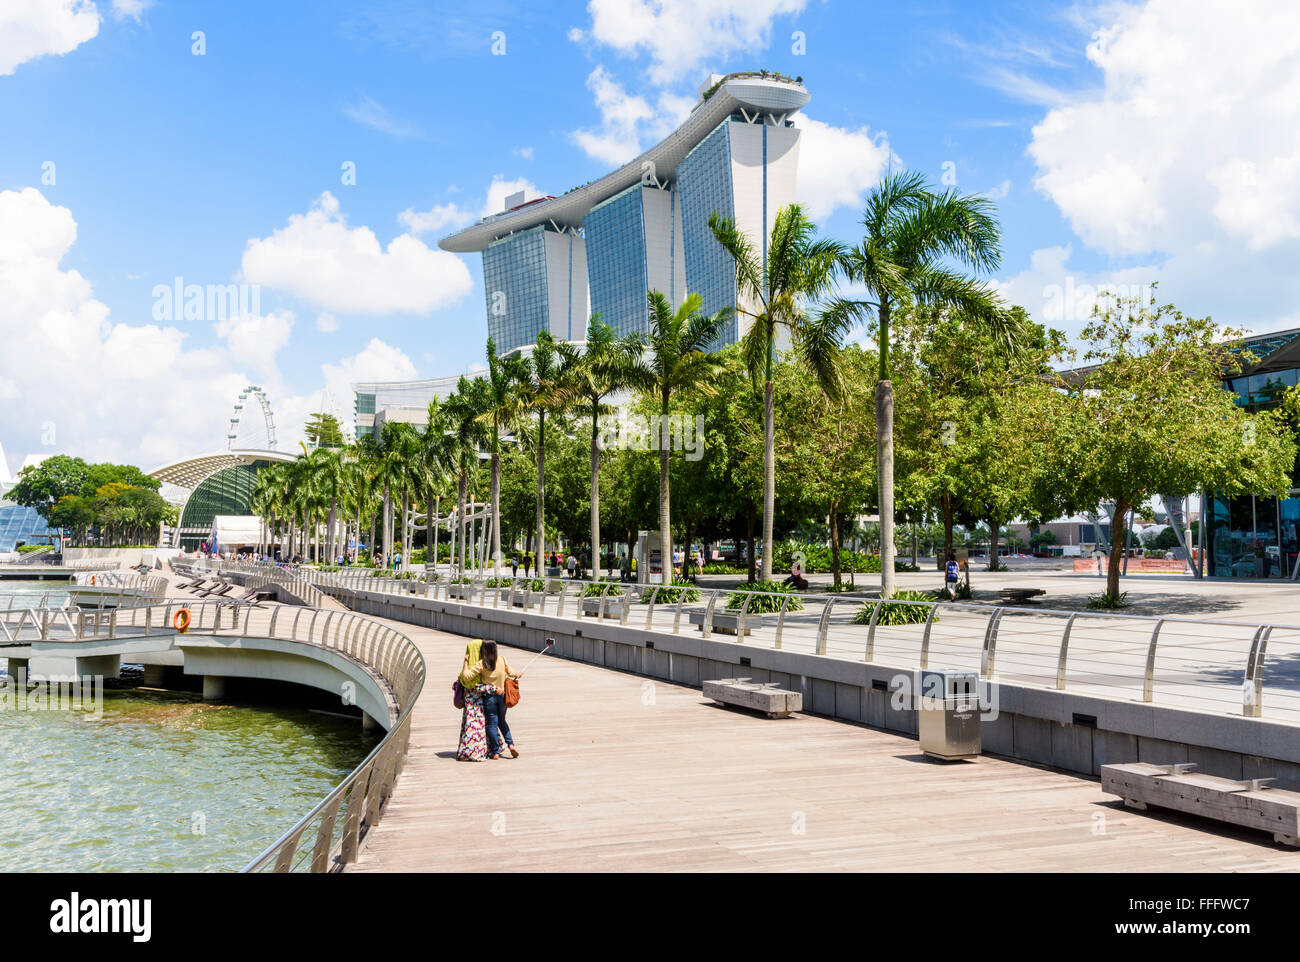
<point>665,527</point>
<point>885,476</point>
<point>541,489</point>
<point>406,533</point>
<point>595,499</point>
<point>496,512</point>
<point>769,476</point>
<point>388,524</point>
<point>460,518</point>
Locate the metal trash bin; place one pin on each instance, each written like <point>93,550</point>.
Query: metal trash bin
<point>948,713</point>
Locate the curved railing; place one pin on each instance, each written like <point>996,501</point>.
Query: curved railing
<point>334,826</point>
<point>1221,666</point>
<point>123,586</point>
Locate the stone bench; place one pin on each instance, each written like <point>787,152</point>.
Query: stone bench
<point>1021,596</point>
<point>729,622</point>
<point>743,693</point>
<point>1250,804</point>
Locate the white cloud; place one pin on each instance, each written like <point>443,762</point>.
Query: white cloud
<point>525,152</point>
<point>254,340</point>
<point>681,35</point>
<point>37,28</point>
<point>322,260</point>
<point>837,166</point>
<point>130,8</point>
<point>998,192</point>
<point>370,113</point>
<point>127,392</point>
<point>326,323</point>
<point>500,189</point>
<point>439,217</point>
<point>629,123</point>
<point>1196,131</point>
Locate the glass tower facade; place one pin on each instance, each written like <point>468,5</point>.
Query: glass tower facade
<point>616,261</point>
<point>515,287</point>
<point>1255,536</point>
<point>704,184</point>
<point>20,525</point>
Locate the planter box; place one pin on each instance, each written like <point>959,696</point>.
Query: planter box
<point>729,622</point>
<point>614,606</point>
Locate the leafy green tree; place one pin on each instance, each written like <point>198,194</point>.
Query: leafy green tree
<point>324,431</point>
<point>1149,416</point>
<point>773,290</point>
<point>40,486</point>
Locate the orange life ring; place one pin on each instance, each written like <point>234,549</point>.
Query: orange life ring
<point>181,620</point>
<point>92,579</point>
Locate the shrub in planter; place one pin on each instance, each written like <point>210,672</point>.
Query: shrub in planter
<point>1107,601</point>
<point>682,590</point>
<point>607,588</point>
<point>764,603</point>
<point>897,614</point>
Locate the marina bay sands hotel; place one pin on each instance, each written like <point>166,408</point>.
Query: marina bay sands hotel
<point>551,262</point>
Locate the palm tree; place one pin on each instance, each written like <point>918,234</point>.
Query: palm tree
<point>677,360</point>
<point>910,230</point>
<point>773,289</point>
<point>607,364</point>
<point>437,458</point>
<point>502,376</point>
<point>539,392</point>
<point>466,434</point>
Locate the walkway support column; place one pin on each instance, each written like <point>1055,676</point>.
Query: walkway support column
<point>214,688</point>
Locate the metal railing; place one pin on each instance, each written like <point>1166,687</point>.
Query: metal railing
<point>327,837</point>
<point>1222,666</point>
<point>120,587</point>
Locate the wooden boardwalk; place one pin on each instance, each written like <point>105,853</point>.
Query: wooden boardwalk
<point>622,773</point>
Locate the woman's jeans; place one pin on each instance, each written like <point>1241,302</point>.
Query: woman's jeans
<point>494,714</point>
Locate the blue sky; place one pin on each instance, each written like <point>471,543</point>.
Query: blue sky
<point>1168,151</point>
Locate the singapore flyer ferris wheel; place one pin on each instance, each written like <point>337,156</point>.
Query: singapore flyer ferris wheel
<point>246,429</point>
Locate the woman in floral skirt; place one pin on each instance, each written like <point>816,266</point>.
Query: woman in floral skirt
<point>473,730</point>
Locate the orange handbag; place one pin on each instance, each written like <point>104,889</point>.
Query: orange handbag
<point>512,692</point>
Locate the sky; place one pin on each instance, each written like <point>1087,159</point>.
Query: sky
<point>306,157</point>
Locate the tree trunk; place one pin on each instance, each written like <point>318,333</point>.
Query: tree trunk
<point>496,513</point>
<point>769,476</point>
<point>834,521</point>
<point>595,498</point>
<point>461,485</point>
<point>406,529</point>
<point>665,529</point>
<point>1117,534</point>
<point>388,525</point>
<point>885,480</point>
<point>749,542</point>
<point>994,533</point>
<point>947,527</point>
<point>541,489</point>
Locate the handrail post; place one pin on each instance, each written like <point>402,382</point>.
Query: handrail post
<point>1149,677</point>
<point>1252,689</point>
<point>988,655</point>
<point>925,638</point>
<point>823,627</point>
<point>740,621</point>
<point>1065,650</point>
<point>871,630</point>
<point>707,628</point>
<point>604,593</point>
<point>650,607</point>
<point>559,602</point>
<point>677,614</point>
<point>780,622</point>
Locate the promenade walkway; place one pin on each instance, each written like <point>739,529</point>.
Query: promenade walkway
<point>621,773</point>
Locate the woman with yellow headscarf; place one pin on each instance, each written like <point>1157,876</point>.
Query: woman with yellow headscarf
<point>473,729</point>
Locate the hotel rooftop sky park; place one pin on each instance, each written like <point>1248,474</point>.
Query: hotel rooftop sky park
<point>551,262</point>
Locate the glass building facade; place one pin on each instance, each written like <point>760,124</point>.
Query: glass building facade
<point>21,525</point>
<point>515,287</point>
<point>1255,536</point>
<point>229,491</point>
<point>616,261</point>
<point>704,184</point>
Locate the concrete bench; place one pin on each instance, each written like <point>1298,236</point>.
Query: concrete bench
<point>729,622</point>
<point>463,592</point>
<point>743,693</point>
<point>1251,804</point>
<point>1021,596</point>
<point>526,599</point>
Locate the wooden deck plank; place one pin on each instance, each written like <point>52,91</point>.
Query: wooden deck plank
<point>621,773</point>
